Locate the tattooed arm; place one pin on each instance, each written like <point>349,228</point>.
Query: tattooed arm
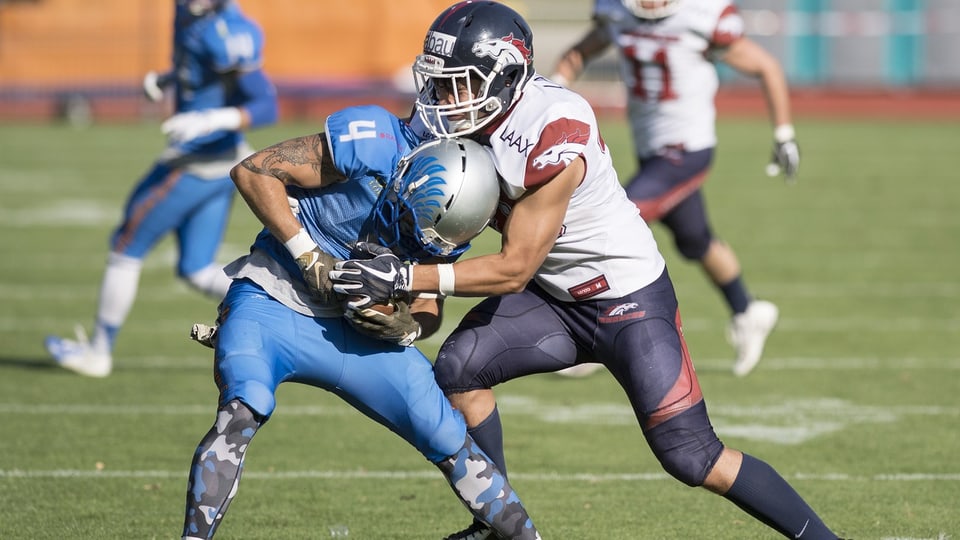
<point>262,179</point>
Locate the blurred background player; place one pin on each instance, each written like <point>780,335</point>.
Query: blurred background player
<point>219,90</point>
<point>667,50</point>
<point>578,276</point>
<point>281,321</point>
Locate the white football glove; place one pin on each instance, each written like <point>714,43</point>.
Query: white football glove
<point>153,84</point>
<point>187,126</point>
<point>786,153</point>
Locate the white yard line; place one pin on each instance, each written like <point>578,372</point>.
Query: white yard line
<point>842,325</point>
<point>427,474</point>
<point>934,289</point>
<point>202,360</point>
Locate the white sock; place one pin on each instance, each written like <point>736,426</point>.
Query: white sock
<point>210,281</point>
<point>121,279</point>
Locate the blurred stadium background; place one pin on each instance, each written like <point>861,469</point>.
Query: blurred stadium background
<point>71,58</point>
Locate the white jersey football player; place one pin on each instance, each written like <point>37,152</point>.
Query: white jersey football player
<point>578,277</point>
<point>667,50</point>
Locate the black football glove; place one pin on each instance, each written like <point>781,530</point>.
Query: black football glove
<point>373,275</point>
<point>398,327</point>
<point>316,265</point>
<point>786,153</point>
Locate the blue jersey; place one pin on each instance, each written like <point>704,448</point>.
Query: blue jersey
<point>207,48</point>
<point>366,144</point>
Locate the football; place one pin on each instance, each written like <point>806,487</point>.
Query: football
<point>386,309</point>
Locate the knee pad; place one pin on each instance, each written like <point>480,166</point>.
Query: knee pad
<point>686,445</point>
<point>453,370</point>
<point>254,396</point>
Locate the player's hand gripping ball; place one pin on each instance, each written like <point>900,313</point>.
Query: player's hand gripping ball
<point>373,275</point>
<point>398,326</point>
<point>386,308</point>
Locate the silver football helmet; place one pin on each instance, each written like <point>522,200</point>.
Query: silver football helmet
<point>441,197</point>
<point>652,9</point>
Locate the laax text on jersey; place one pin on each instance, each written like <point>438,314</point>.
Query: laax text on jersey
<point>517,141</point>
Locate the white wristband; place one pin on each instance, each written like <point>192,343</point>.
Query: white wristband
<point>447,278</point>
<point>300,243</point>
<point>784,133</point>
<point>228,118</point>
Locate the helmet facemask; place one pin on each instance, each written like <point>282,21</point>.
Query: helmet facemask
<point>652,9</point>
<point>199,8</point>
<point>479,108</point>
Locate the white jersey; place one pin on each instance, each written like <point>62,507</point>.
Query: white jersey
<point>666,65</point>
<point>604,250</point>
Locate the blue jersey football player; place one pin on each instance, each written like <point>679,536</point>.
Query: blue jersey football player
<point>219,89</point>
<point>365,178</point>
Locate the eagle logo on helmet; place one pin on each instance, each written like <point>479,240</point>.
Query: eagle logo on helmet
<point>506,50</point>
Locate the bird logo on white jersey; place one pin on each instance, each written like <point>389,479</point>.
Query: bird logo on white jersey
<point>565,150</point>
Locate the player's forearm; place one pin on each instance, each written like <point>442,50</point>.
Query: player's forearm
<point>261,107</point>
<point>572,63</point>
<point>750,59</point>
<point>427,312</point>
<point>487,275</point>
<point>166,78</point>
<point>777,95</point>
<point>267,198</point>
<point>568,68</point>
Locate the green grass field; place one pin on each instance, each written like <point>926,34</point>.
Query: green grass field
<point>856,402</point>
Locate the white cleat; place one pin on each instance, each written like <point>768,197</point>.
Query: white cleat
<point>579,371</point>
<point>78,356</point>
<point>748,333</point>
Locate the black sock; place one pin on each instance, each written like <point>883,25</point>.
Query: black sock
<point>735,293</point>
<point>761,492</point>
<point>489,437</point>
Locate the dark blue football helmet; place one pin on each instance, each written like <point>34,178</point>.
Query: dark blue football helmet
<point>483,47</point>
